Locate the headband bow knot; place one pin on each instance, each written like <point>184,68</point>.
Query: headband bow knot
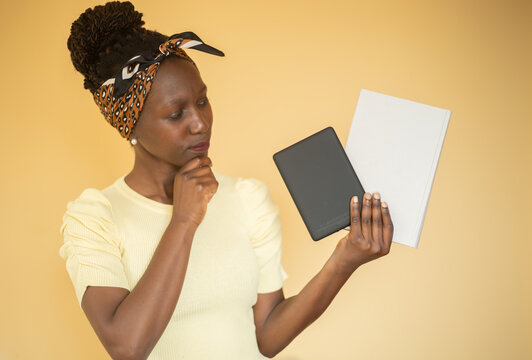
<point>121,97</point>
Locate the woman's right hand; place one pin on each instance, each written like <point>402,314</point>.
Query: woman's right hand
<point>194,186</point>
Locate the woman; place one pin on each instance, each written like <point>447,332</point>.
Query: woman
<point>175,260</point>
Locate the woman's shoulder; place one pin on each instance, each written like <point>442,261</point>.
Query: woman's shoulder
<point>243,186</point>
<point>91,206</point>
<point>89,199</point>
<point>254,197</point>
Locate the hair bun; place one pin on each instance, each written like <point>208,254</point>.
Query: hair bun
<point>95,30</point>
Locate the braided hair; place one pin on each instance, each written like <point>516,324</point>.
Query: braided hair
<point>102,39</point>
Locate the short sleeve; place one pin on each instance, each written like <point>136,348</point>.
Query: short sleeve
<point>261,214</point>
<point>91,243</point>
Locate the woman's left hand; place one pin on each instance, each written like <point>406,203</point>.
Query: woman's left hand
<point>370,237</point>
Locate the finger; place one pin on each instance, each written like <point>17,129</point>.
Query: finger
<point>387,226</point>
<point>210,187</point>
<point>205,184</point>
<point>205,161</point>
<point>206,180</point>
<point>199,171</point>
<point>195,163</point>
<point>213,188</point>
<point>355,218</point>
<point>203,166</point>
<point>366,217</point>
<point>376,218</point>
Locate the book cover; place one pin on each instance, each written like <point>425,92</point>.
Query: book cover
<point>395,146</point>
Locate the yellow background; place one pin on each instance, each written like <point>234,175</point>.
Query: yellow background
<point>292,68</point>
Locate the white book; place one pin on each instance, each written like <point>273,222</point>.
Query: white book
<point>394,146</point>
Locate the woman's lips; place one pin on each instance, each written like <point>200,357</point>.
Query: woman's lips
<point>201,148</point>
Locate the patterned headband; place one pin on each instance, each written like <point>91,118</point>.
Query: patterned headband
<point>121,97</point>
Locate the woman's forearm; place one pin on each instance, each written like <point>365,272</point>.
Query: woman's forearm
<point>143,315</point>
<point>291,316</point>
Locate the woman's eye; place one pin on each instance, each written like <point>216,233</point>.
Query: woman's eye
<point>176,115</point>
<point>204,101</point>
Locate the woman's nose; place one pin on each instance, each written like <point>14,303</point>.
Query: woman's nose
<point>199,122</point>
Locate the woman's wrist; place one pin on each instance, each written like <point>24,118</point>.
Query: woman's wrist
<point>182,225</point>
<point>339,262</point>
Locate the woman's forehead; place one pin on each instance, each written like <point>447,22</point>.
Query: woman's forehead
<point>178,67</point>
<point>178,76</point>
<point>174,86</point>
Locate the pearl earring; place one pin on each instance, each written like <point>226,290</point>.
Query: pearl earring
<point>133,141</point>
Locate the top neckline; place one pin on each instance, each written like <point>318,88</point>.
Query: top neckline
<point>121,184</point>
<point>145,201</point>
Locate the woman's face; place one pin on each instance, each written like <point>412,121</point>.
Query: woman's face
<point>176,114</point>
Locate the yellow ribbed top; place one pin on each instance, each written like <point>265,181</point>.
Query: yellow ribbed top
<point>110,236</point>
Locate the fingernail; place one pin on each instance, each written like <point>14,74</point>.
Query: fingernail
<point>356,199</point>
<point>384,205</point>
<point>377,196</point>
